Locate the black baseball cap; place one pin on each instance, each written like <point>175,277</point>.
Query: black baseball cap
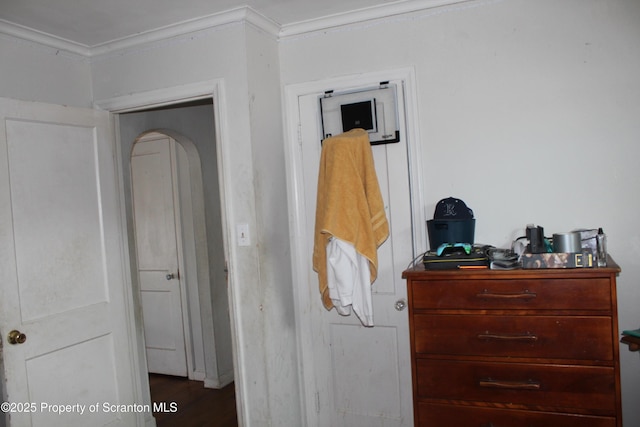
<point>452,208</point>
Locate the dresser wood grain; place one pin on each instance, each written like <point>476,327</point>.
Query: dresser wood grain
<point>536,348</point>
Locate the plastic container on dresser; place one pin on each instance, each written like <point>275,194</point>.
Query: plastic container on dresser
<point>509,348</point>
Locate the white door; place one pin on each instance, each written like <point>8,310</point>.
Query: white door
<point>152,177</point>
<point>62,272</point>
<point>362,375</point>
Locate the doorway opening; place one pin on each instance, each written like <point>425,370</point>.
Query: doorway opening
<point>198,273</point>
<point>169,296</point>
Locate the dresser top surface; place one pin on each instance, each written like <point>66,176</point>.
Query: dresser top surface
<point>418,271</point>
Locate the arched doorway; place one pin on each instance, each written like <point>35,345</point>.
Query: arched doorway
<point>170,262</point>
<point>191,126</point>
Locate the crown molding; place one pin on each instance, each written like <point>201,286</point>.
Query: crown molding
<point>43,39</point>
<point>387,10</point>
<point>262,22</point>
<point>244,15</point>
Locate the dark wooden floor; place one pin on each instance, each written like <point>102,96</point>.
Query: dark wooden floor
<point>189,404</point>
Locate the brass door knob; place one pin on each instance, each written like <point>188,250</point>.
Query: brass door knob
<point>16,337</point>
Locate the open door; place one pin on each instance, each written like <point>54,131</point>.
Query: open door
<point>62,271</point>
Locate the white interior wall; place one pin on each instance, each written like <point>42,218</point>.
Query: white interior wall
<point>33,72</point>
<point>272,224</point>
<point>245,59</point>
<point>528,112</point>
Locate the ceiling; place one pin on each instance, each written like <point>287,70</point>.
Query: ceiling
<point>95,22</point>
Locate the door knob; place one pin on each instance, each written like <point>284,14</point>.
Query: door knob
<point>170,276</point>
<point>401,304</point>
<point>16,337</point>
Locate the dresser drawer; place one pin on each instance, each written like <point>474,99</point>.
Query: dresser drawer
<point>553,337</point>
<point>527,294</point>
<point>434,415</point>
<point>557,386</point>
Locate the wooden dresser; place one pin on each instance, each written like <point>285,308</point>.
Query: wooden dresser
<point>534,348</point>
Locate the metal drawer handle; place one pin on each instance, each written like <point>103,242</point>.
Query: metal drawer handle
<point>507,337</point>
<point>525,295</point>
<point>510,385</point>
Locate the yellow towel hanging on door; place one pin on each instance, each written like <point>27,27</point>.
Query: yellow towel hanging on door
<point>349,203</point>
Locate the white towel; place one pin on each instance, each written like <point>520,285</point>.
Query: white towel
<point>348,278</point>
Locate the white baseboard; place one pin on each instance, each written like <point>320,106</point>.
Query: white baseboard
<point>219,382</point>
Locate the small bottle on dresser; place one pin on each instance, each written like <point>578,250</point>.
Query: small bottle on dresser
<point>601,245</point>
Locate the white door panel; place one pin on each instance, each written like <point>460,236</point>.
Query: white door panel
<point>48,188</point>
<point>365,385</point>
<point>153,204</point>
<point>362,375</point>
<point>152,166</point>
<point>161,309</point>
<point>61,267</point>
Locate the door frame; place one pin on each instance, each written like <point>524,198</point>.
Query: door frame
<point>210,89</point>
<point>298,228</point>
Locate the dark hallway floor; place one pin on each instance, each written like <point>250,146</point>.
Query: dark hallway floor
<point>188,404</point>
